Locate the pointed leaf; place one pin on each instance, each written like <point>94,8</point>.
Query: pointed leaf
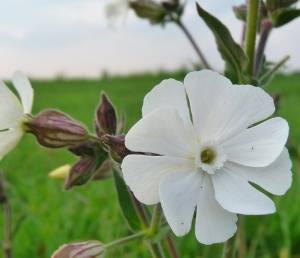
<point>233,55</point>
<point>126,202</point>
<point>285,15</point>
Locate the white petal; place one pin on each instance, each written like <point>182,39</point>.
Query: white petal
<point>162,132</point>
<point>236,195</point>
<point>179,193</point>
<point>260,145</point>
<point>169,93</point>
<point>23,86</point>
<point>11,110</point>
<point>275,178</point>
<point>213,223</point>
<point>8,140</point>
<point>143,174</point>
<point>221,109</point>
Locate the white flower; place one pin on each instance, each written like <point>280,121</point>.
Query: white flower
<point>207,162</point>
<point>13,111</point>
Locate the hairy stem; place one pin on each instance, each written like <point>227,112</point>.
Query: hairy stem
<point>193,43</point>
<point>266,29</point>
<point>241,238</point>
<point>251,29</point>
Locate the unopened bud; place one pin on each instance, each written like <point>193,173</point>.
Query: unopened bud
<point>149,9</point>
<point>54,129</point>
<point>61,172</point>
<point>92,157</point>
<point>116,145</point>
<point>80,173</point>
<point>106,120</point>
<point>89,249</point>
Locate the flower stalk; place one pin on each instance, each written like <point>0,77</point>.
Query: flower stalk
<point>191,39</point>
<point>155,221</point>
<point>125,240</point>
<point>251,30</point>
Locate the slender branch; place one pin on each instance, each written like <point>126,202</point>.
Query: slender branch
<point>172,247</point>
<point>7,218</point>
<point>267,75</point>
<point>251,29</point>
<point>124,240</point>
<point>266,28</point>
<point>156,250</point>
<point>193,43</point>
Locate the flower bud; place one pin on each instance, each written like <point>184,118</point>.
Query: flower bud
<point>106,120</point>
<point>89,249</point>
<point>92,157</point>
<point>80,173</point>
<point>116,145</point>
<point>54,129</point>
<point>150,10</point>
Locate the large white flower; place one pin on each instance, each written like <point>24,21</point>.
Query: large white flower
<point>13,111</point>
<point>206,160</point>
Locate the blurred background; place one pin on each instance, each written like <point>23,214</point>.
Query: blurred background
<point>72,52</point>
<point>73,38</point>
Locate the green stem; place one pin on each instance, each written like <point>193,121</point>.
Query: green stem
<point>172,247</point>
<point>156,250</point>
<point>125,240</point>
<point>251,29</point>
<point>155,221</point>
<point>229,248</point>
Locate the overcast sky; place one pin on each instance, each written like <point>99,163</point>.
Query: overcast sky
<point>72,37</point>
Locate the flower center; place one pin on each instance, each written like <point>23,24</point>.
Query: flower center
<point>208,156</point>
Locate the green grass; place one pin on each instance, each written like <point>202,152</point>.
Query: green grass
<point>51,217</point>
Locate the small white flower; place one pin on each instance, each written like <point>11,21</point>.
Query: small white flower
<point>13,111</point>
<point>206,162</point>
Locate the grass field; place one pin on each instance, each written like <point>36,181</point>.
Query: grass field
<point>51,217</point>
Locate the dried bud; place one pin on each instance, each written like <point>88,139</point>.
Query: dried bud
<point>116,145</point>
<point>54,129</point>
<point>92,158</point>
<point>150,10</point>
<point>89,249</point>
<point>171,5</point>
<point>106,120</point>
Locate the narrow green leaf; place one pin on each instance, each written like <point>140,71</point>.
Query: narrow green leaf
<point>285,15</point>
<point>233,55</point>
<point>126,202</point>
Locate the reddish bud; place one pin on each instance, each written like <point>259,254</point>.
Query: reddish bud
<point>54,129</point>
<point>89,249</point>
<point>92,157</point>
<point>106,119</point>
